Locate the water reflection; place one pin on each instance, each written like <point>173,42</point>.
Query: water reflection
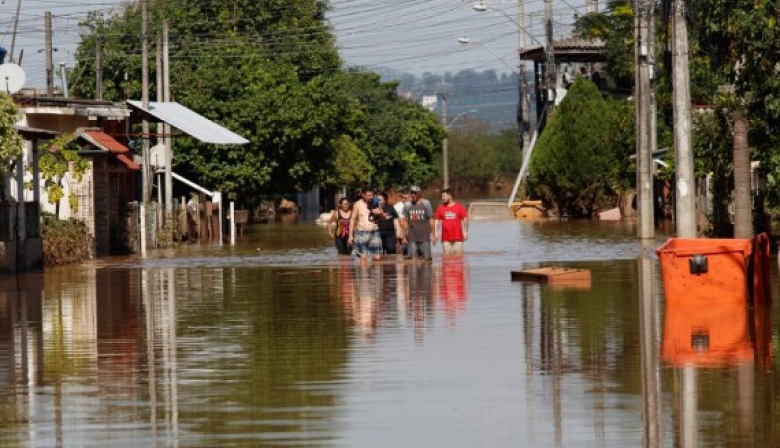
<point>392,293</point>
<point>392,354</point>
<point>714,343</point>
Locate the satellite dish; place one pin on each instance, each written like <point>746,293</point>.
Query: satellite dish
<point>12,78</point>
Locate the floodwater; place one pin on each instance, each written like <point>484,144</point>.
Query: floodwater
<point>277,342</point>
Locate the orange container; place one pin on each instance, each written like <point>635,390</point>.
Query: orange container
<point>709,285</point>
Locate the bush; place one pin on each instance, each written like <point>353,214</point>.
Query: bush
<point>581,156</point>
<point>65,241</point>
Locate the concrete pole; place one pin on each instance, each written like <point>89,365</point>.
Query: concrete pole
<point>232,223</point>
<point>551,77</point>
<point>49,57</point>
<point>36,172</point>
<point>644,112</point>
<point>685,191</point>
<point>444,150</point>
<point>142,211</point>
<point>11,57</point>
<point>166,69</point>
<point>147,160</point>
<point>524,112</point>
<point>98,67</point>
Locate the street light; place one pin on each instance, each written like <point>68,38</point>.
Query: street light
<point>547,49</point>
<point>548,96</point>
<point>466,41</point>
<point>444,142</point>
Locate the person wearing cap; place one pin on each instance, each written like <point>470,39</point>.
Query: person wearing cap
<point>419,225</point>
<point>452,218</point>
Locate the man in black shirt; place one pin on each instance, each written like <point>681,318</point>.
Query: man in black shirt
<point>389,227</point>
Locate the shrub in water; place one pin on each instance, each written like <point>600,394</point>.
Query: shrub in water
<point>65,241</point>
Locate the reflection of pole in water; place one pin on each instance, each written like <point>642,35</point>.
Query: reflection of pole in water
<point>746,408</point>
<point>530,305</point>
<point>648,340</point>
<point>173,360</point>
<point>689,426</point>
<point>146,278</point>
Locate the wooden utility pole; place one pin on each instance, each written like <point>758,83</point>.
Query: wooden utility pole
<point>49,57</point>
<point>444,150</point>
<point>685,215</point>
<point>644,97</point>
<point>147,168</point>
<point>167,128</point>
<point>98,67</point>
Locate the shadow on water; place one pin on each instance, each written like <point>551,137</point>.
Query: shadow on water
<point>278,342</point>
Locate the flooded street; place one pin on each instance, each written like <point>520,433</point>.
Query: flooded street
<point>277,342</point>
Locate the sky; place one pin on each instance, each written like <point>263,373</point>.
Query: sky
<point>414,36</point>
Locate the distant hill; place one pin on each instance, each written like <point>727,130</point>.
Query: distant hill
<point>491,97</point>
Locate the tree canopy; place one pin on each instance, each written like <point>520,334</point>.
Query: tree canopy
<point>270,72</point>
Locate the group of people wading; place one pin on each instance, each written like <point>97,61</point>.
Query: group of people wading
<point>409,228</point>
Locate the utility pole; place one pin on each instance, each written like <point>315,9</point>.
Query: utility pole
<point>685,210</point>
<point>166,127</point>
<point>591,6</point>
<point>444,153</point>
<point>16,27</point>
<point>523,111</point>
<point>147,160</point>
<point>49,57</point>
<point>645,112</point>
<point>552,78</point>
<point>98,67</point>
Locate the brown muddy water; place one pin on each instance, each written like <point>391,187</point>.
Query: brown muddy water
<point>277,342</point>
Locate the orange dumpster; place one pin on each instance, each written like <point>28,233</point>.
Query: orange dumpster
<point>710,285</point>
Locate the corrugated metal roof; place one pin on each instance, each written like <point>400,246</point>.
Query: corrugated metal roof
<point>190,122</point>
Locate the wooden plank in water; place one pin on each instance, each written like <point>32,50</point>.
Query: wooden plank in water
<point>555,276</point>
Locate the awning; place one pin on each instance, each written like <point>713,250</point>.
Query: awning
<point>107,143</point>
<point>190,122</point>
<point>29,133</point>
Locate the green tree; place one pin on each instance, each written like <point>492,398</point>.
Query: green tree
<point>574,165</point>
<point>275,79</point>
<point>11,143</point>
<point>741,38</point>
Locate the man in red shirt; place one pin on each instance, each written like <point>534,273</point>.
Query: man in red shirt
<point>453,220</point>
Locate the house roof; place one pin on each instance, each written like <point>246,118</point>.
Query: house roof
<point>29,133</point>
<point>105,142</point>
<point>190,122</point>
<point>570,49</point>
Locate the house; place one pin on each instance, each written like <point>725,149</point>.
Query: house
<point>102,131</point>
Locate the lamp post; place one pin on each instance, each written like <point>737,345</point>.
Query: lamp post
<point>548,57</point>
<point>444,143</point>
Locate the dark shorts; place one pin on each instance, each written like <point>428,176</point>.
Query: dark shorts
<point>342,247</point>
<point>389,242</point>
